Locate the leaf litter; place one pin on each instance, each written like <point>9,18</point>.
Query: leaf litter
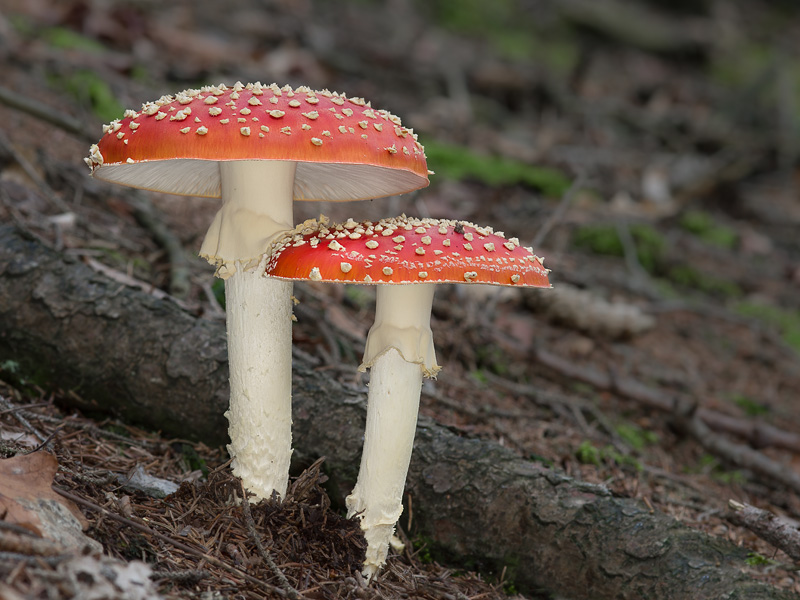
<point>193,543</point>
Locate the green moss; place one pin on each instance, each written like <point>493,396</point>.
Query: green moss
<point>689,277</point>
<point>422,549</point>
<point>754,559</point>
<point>22,24</point>
<point>787,322</point>
<point>492,358</point>
<point>360,296</point>
<point>710,464</point>
<point>750,406</point>
<point>68,39</point>
<point>191,460</point>
<point>479,376</point>
<point>741,65</point>
<point>538,458</point>
<point>702,225</point>
<point>25,376</point>
<point>510,588</point>
<point>509,29</point>
<point>218,289</point>
<point>589,454</point>
<point>456,162</point>
<point>636,437</point>
<point>90,89</point>
<point>472,16</point>
<point>605,240</point>
<point>582,389</point>
<point>560,53</point>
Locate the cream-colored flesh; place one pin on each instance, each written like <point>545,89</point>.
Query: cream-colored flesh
<point>257,206</point>
<point>392,406</point>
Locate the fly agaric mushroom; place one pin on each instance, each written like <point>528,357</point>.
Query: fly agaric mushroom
<point>409,255</point>
<point>259,147</point>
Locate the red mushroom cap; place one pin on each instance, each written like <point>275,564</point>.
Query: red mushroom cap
<point>346,149</point>
<point>404,250</point>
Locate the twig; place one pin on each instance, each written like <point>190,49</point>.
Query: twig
<point>47,442</point>
<point>148,218</point>
<point>551,400</point>
<point>737,454</point>
<point>165,538</point>
<point>44,113</point>
<point>251,527</point>
<point>757,433</point>
<point>189,577</point>
<point>688,418</point>
<point>19,222</point>
<point>631,256</point>
<point>769,527</point>
<point>129,281</point>
<point>73,424</point>
<point>25,410</point>
<point>715,312</point>
<point>559,212</point>
<point>25,423</point>
<point>17,543</point>
<point>31,172</point>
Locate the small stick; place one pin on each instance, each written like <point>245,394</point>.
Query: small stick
<point>17,543</point>
<point>740,455</point>
<point>148,217</point>
<point>31,172</point>
<point>43,113</point>
<point>769,527</point>
<point>251,527</point>
<point>559,212</point>
<point>25,423</point>
<point>20,559</point>
<point>190,577</point>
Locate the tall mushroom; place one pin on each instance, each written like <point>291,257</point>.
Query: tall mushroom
<point>409,255</point>
<point>259,147</point>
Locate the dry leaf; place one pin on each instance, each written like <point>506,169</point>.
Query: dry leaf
<point>28,500</point>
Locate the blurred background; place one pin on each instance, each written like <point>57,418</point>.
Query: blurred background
<point>677,112</point>
<point>650,150</point>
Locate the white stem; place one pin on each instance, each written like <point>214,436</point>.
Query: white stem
<point>257,206</point>
<point>392,406</point>
<point>260,360</point>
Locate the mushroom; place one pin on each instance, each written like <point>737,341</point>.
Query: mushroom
<point>259,147</point>
<point>410,255</point>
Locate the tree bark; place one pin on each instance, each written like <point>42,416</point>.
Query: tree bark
<point>115,349</point>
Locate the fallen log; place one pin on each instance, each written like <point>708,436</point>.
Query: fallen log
<point>114,349</point>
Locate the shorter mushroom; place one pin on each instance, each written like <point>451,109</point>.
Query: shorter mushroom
<point>409,255</point>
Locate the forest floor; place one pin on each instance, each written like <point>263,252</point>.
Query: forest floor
<point>652,159</point>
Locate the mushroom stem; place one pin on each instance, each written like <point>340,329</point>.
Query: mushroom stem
<point>403,322</point>
<point>247,222</point>
<point>401,348</point>
<point>259,322</point>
